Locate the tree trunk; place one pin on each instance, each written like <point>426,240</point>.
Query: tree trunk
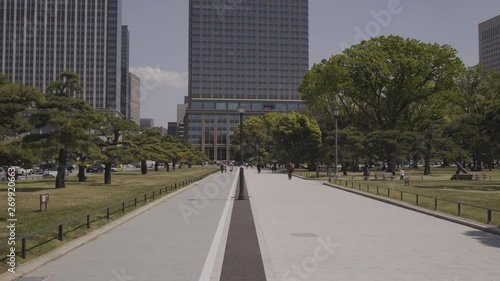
<point>107,173</point>
<point>144,167</point>
<point>173,165</point>
<point>167,166</point>
<point>427,159</point>
<point>156,166</point>
<point>427,165</point>
<point>61,169</point>
<point>391,165</point>
<point>81,173</point>
<point>311,166</point>
<point>415,162</point>
<point>490,165</point>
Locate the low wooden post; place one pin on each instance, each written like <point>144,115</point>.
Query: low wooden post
<point>60,233</point>
<point>23,248</point>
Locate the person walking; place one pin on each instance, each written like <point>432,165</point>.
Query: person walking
<point>221,168</point>
<point>259,168</point>
<point>402,174</point>
<point>366,172</point>
<point>289,169</point>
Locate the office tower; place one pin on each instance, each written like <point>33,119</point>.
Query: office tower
<point>489,43</point>
<point>135,97</point>
<point>172,129</point>
<point>42,38</point>
<point>245,53</point>
<point>125,91</point>
<point>147,123</point>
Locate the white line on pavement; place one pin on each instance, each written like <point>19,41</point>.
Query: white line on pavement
<point>212,254</point>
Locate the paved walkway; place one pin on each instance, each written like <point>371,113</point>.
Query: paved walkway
<point>176,240</point>
<point>313,232</point>
<point>306,231</point>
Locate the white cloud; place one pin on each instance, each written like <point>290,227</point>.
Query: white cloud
<point>154,77</point>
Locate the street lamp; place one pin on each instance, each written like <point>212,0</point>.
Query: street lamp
<point>241,196</point>
<point>336,114</point>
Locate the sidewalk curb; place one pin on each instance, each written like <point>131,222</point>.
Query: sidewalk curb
<point>483,227</point>
<point>59,252</point>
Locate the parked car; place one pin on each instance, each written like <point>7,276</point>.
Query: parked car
<point>95,169</point>
<point>20,171</point>
<point>50,173</point>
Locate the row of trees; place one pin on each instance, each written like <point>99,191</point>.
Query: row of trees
<point>280,138</point>
<point>404,100</point>
<point>66,129</point>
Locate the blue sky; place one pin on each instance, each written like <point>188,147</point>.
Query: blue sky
<point>159,37</point>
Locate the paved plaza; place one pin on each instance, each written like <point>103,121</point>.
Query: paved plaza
<point>305,230</point>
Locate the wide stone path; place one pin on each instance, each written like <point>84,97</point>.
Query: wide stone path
<point>173,241</point>
<point>309,231</point>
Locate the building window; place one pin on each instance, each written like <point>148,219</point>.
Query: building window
<point>221,106</point>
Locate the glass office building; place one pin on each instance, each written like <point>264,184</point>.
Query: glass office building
<point>42,38</point>
<point>489,43</point>
<point>242,53</point>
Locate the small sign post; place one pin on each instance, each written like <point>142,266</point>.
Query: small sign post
<point>44,202</point>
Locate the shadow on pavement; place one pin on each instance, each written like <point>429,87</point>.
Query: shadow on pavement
<point>485,238</point>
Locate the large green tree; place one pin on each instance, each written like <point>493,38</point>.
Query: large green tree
<point>63,121</point>
<point>379,84</point>
<point>294,136</point>
<point>478,91</point>
<point>15,101</point>
<point>116,144</point>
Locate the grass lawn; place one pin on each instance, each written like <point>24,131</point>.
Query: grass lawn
<point>482,193</point>
<point>79,199</point>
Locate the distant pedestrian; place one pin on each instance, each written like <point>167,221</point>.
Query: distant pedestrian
<point>366,172</point>
<point>259,168</point>
<point>402,174</point>
<point>221,168</point>
<point>289,169</point>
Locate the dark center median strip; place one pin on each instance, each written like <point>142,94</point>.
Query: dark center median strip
<point>242,258</point>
